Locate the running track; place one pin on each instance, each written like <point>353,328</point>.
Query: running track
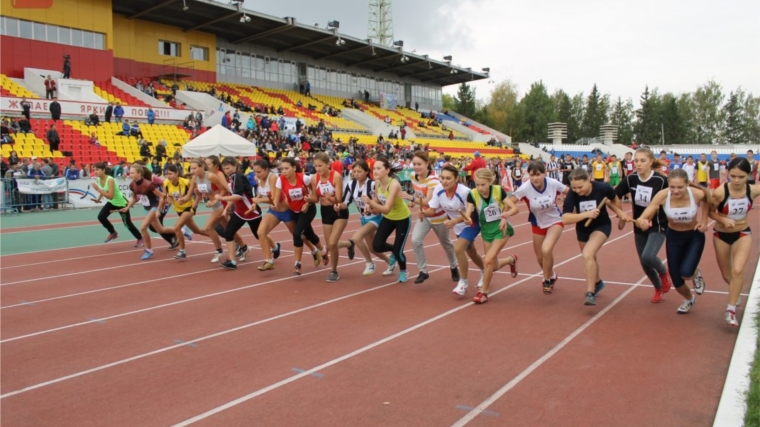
<point>91,336</point>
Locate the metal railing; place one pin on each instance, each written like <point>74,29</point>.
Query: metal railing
<point>14,201</point>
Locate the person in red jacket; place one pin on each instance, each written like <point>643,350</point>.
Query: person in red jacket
<point>477,163</point>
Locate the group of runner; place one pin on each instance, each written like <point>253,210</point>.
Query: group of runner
<point>667,209</point>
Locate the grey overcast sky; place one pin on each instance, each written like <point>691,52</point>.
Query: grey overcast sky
<point>674,45</point>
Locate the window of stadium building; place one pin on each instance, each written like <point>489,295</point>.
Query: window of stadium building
<point>168,48</point>
<point>199,53</point>
<point>51,33</point>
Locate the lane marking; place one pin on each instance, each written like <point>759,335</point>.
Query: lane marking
<point>469,408</point>
<point>189,344</point>
<point>313,374</point>
<point>540,361</point>
<point>364,349</point>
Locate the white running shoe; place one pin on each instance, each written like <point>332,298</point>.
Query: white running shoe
<point>480,282</point>
<point>187,233</point>
<point>461,288</point>
<point>216,257</point>
<point>699,283</point>
<point>391,268</point>
<point>370,269</point>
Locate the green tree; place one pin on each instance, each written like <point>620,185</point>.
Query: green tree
<point>563,107</point>
<point>595,114</point>
<point>448,102</point>
<point>577,112</point>
<point>686,110</point>
<point>671,120</point>
<point>537,108</point>
<point>647,126</point>
<point>708,114</point>
<point>464,101</point>
<point>622,117</point>
<point>501,106</point>
<point>751,120</point>
<point>734,113</point>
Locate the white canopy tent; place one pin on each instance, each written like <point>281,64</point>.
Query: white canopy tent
<point>218,141</point>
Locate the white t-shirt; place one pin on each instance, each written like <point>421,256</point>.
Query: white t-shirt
<point>542,204</point>
<point>451,205</point>
<point>690,170</point>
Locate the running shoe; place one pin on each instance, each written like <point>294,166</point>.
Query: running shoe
<point>140,243</point>
<point>403,276</point>
<point>174,244</point>
<point>266,266</point>
<point>513,266</point>
<point>455,274</point>
<point>218,254</point>
<point>186,232</point>
<point>297,269</point>
<point>276,251</point>
<point>229,265</point>
<point>391,267</point>
<point>461,288</point>
<point>351,249</point>
<point>699,283</point>
<point>147,255</point>
<point>548,287</point>
<point>590,299</point>
<point>598,287</point>
<point>480,298</point>
<point>686,306</point>
<point>333,276</point>
<point>657,296</point>
<point>317,258</point>
<point>369,269</point>
<point>667,283</point>
<point>731,318</point>
<point>180,255</point>
<point>421,278</point>
<point>111,236</point>
<point>243,253</point>
<point>554,279</point>
<point>480,282</point>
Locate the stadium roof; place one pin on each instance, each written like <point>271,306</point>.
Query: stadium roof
<point>287,35</point>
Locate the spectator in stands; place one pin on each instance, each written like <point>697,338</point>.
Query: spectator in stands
<point>92,120</point>
<point>366,95</point>
<point>135,130</point>
<point>109,112</point>
<point>26,108</point>
<point>161,151</point>
<point>199,118</point>
<point>299,103</point>
<point>50,88</point>
<point>53,139</point>
<point>417,107</point>
<point>301,88</point>
<point>451,135</point>
<point>54,167</point>
<point>387,120</point>
<point>15,128</point>
<point>118,112</point>
<point>145,150</point>
<point>94,139</point>
<point>72,172</point>
<point>5,133</point>
<point>4,166</point>
<point>124,128</point>
<point>477,163</point>
<point>150,115</point>
<point>307,92</point>
<point>13,158</point>
<point>280,111</point>
<point>85,171</point>
<point>174,88</point>
<point>225,123</point>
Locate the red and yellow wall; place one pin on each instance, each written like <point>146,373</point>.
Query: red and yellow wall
<point>131,44</point>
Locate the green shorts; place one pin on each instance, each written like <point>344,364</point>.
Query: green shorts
<point>614,180</point>
<point>491,231</point>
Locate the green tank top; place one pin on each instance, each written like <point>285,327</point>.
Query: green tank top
<point>118,198</point>
<point>399,210</point>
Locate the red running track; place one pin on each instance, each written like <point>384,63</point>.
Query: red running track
<point>381,353</point>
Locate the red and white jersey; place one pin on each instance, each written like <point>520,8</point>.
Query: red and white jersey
<point>421,190</point>
<point>326,188</point>
<point>295,194</point>
<point>542,204</point>
<point>629,167</point>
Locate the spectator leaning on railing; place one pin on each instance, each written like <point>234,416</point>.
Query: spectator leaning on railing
<point>72,172</point>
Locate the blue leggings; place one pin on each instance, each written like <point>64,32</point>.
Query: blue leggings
<point>684,250</point>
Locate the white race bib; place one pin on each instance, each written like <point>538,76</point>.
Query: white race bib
<point>738,208</point>
<point>614,170</point>
<point>643,196</point>
<point>326,189</point>
<point>295,194</point>
<point>381,198</point>
<point>176,195</point>
<point>359,204</point>
<point>518,173</point>
<point>587,205</point>
<point>598,166</point>
<point>542,203</point>
<point>716,166</point>
<point>681,216</point>
<point>492,212</point>
<point>203,188</point>
<point>629,166</point>
<point>143,200</point>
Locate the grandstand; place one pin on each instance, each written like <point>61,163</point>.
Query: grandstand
<point>262,61</point>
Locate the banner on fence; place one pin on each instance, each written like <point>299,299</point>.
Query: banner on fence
<point>42,186</point>
<point>81,192</point>
<point>84,109</point>
<point>388,101</point>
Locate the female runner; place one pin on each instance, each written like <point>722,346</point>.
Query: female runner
<point>158,181</point>
<point>328,187</point>
<point>451,197</point>
<point>643,185</point>
<point>686,232</point>
<point>489,201</point>
<point>239,201</point>
<point>106,186</point>
<point>363,237</point>
<point>423,182</point>
<point>581,204</point>
<point>396,216</point>
<point>177,191</point>
<point>295,186</point>
<point>732,236</point>
<point>540,194</point>
<point>144,190</point>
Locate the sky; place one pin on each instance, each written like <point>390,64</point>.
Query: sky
<point>621,46</point>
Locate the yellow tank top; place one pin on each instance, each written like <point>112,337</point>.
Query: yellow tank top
<point>175,192</point>
<point>400,210</point>
<point>599,169</point>
<point>702,172</point>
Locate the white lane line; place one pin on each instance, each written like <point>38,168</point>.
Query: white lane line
<point>540,361</point>
<point>197,340</point>
<point>364,349</point>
